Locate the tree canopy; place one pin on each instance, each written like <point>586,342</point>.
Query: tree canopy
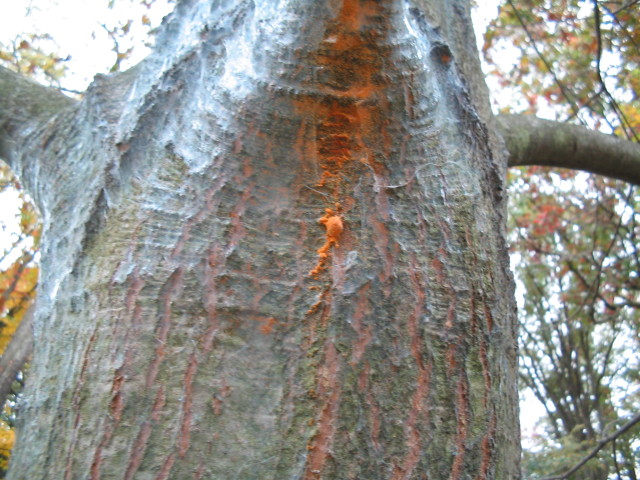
<point>574,237</point>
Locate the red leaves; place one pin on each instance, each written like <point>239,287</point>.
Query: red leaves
<point>548,219</point>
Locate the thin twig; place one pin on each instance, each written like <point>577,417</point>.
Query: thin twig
<point>623,429</point>
<point>624,7</point>
<point>624,122</point>
<point>563,89</point>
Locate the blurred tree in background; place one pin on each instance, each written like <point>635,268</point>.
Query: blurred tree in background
<point>18,279</point>
<point>574,236</point>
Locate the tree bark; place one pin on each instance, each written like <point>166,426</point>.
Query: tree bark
<point>24,104</point>
<point>535,141</point>
<point>275,249</point>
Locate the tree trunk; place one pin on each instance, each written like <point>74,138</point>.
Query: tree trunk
<point>275,249</point>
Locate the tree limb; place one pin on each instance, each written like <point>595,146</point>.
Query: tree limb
<point>534,141</point>
<point>16,354</point>
<point>24,102</point>
<point>623,429</point>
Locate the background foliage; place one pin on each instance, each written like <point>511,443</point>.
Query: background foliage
<point>574,237</point>
<point>18,279</point>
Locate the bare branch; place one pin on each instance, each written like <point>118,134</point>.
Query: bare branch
<point>623,429</point>
<point>16,354</point>
<point>624,122</point>
<point>534,141</point>
<point>24,102</point>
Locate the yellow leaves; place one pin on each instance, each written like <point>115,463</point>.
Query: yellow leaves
<point>18,271</point>
<point>632,115</point>
<point>18,279</point>
<point>126,27</point>
<point>7,438</point>
<point>555,48</point>
<point>633,78</point>
<point>17,285</point>
<point>29,222</point>
<point>31,56</point>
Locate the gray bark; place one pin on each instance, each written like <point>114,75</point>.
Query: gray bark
<point>535,141</point>
<point>196,320</point>
<point>25,105</point>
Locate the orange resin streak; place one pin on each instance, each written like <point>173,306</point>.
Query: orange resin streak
<point>333,225</point>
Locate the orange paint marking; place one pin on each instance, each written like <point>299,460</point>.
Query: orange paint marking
<point>334,227</point>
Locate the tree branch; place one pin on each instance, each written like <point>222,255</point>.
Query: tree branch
<point>24,102</point>
<point>623,429</point>
<point>534,141</point>
<point>16,354</point>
